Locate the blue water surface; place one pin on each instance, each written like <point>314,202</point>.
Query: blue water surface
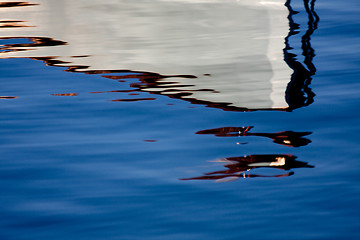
<point>84,167</point>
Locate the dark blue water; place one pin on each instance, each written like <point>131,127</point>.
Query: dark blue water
<point>86,167</point>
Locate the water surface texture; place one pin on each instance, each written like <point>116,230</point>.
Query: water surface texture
<point>179,119</point>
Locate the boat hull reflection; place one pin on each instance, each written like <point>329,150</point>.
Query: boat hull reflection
<point>239,59</point>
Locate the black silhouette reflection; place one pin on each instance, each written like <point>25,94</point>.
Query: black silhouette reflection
<point>286,138</point>
<point>237,167</point>
<point>298,93</point>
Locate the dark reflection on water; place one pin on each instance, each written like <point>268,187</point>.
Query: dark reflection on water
<point>7,97</point>
<point>15,4</point>
<point>298,93</point>
<point>65,94</point>
<point>286,138</point>
<point>31,42</point>
<point>12,24</point>
<point>237,167</point>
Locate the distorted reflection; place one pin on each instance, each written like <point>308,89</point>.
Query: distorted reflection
<point>298,93</point>
<point>251,73</point>
<point>286,138</point>
<point>197,54</point>
<point>238,167</point>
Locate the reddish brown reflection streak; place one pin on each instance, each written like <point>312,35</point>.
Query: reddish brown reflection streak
<point>35,42</point>
<point>65,94</point>
<point>7,97</point>
<point>80,56</point>
<point>12,24</point>
<point>15,4</point>
<point>286,138</point>
<point>237,166</point>
<point>148,79</point>
<point>150,140</point>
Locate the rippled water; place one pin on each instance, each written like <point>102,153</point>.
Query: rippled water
<point>179,119</point>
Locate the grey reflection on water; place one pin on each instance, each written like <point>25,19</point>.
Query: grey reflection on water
<point>238,67</point>
<point>207,87</point>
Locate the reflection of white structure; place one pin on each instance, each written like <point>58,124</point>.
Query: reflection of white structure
<point>240,43</point>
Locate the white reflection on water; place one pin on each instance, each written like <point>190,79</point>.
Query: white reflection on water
<point>238,45</point>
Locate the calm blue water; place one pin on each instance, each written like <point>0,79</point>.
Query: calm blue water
<point>83,167</point>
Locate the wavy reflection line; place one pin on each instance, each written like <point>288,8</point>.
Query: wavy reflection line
<point>286,138</point>
<point>298,93</point>
<point>237,167</point>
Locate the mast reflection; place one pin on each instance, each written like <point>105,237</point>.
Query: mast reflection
<point>298,93</point>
